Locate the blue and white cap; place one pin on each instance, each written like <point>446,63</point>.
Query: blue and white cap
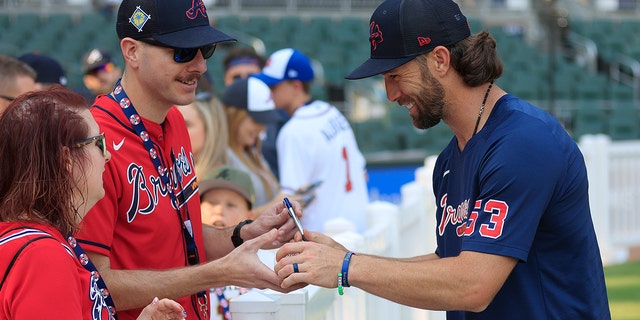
<point>254,96</point>
<point>286,64</point>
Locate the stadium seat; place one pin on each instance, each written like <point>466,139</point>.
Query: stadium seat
<point>624,123</point>
<point>58,22</point>
<point>621,92</point>
<point>590,117</point>
<point>593,87</point>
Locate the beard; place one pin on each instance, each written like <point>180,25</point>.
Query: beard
<point>429,102</point>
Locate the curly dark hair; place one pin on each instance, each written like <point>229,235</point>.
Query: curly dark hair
<point>476,59</point>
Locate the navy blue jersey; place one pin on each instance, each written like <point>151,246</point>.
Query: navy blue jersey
<point>519,189</point>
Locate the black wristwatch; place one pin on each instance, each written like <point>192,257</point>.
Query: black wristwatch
<point>235,238</point>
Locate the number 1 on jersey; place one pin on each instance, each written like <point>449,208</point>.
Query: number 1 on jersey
<point>348,186</point>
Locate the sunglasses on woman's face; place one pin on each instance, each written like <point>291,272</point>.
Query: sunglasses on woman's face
<point>183,55</point>
<point>99,141</point>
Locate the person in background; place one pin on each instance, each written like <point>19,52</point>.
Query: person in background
<point>316,144</point>
<point>100,73</point>
<point>208,132</point>
<point>48,70</point>
<point>16,78</point>
<point>249,108</point>
<point>132,235</point>
<point>227,198</point>
<point>515,237</point>
<point>43,201</point>
<point>239,63</point>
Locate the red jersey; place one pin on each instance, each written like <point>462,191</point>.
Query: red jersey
<point>46,281</point>
<point>136,224</point>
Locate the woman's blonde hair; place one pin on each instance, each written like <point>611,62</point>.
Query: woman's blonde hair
<point>250,156</point>
<point>214,151</point>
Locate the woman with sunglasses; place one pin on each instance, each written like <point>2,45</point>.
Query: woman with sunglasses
<point>52,156</point>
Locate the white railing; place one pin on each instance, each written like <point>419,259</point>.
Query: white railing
<point>408,229</point>
<point>613,168</point>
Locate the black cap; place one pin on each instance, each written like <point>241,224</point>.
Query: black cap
<point>176,23</point>
<point>94,59</point>
<point>48,70</point>
<point>400,30</point>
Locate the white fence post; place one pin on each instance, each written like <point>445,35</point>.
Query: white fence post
<point>254,306</point>
<point>595,149</point>
<point>292,304</point>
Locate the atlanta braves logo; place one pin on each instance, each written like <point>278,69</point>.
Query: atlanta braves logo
<point>196,6</point>
<point>147,190</point>
<point>487,217</point>
<point>137,179</point>
<point>375,35</point>
<point>456,216</point>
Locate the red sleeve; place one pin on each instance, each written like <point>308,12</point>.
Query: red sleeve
<point>44,284</point>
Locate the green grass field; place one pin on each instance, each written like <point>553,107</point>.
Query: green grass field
<point>623,287</point>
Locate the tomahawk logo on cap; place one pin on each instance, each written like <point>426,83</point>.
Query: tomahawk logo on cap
<point>176,23</point>
<point>401,30</point>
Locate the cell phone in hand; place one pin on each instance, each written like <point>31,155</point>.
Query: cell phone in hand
<point>307,199</point>
<point>309,188</point>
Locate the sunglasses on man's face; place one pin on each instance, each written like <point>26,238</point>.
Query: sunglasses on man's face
<point>99,141</point>
<point>182,55</point>
<point>108,67</point>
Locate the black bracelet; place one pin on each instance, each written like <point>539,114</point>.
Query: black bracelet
<point>235,238</point>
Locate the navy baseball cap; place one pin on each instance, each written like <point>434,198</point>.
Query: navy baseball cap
<point>253,95</point>
<point>400,30</point>
<point>94,59</point>
<point>48,70</point>
<point>176,23</point>
<point>286,64</point>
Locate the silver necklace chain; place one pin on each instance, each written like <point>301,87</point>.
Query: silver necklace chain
<point>484,101</point>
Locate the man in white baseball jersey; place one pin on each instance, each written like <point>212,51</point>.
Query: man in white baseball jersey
<point>316,144</point>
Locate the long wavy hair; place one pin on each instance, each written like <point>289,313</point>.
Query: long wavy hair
<point>250,156</point>
<point>38,134</point>
<point>214,151</point>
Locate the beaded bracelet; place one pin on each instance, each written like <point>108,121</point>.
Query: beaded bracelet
<point>340,290</point>
<point>345,268</point>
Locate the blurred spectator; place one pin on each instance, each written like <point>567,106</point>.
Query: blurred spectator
<point>208,131</point>
<point>16,78</point>
<point>316,144</point>
<point>241,62</point>
<point>100,73</point>
<point>249,107</point>
<point>226,199</point>
<point>48,70</point>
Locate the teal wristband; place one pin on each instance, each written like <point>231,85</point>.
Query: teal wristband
<point>345,268</point>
